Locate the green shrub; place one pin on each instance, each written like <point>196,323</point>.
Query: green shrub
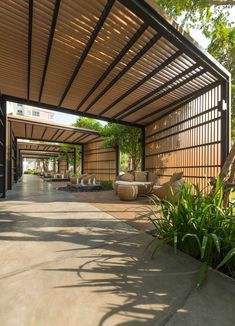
<point>106,185</point>
<point>31,171</point>
<point>77,174</point>
<point>198,225</point>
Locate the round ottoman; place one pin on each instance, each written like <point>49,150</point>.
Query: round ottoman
<point>127,192</point>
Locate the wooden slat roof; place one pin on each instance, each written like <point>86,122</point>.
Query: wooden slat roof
<point>39,147</point>
<point>116,60</point>
<point>41,130</point>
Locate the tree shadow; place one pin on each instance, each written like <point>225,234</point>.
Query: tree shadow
<point>146,291</point>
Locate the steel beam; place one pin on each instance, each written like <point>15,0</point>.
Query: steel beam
<point>142,81</point>
<point>3,128</point>
<point>50,40</point>
<point>149,98</point>
<point>20,100</point>
<point>118,58</point>
<point>92,39</point>
<point>174,36</point>
<point>30,25</point>
<point>138,56</point>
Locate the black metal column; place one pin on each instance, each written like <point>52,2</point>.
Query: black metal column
<point>9,176</point>
<point>17,162</point>
<point>143,149</point>
<point>15,159</point>
<point>67,162</point>
<point>54,165</point>
<point>75,160</point>
<point>225,108</point>
<point>2,147</point>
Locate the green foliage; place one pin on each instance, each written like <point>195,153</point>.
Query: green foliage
<point>65,148</point>
<point>77,174</point>
<point>198,225</point>
<point>127,138</point>
<point>88,123</point>
<point>106,185</point>
<point>31,171</point>
<point>214,23</point>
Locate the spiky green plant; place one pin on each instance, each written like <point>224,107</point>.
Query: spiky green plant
<point>198,225</point>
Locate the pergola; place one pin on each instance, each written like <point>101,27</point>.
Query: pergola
<point>43,150</point>
<point>122,61</point>
<point>42,139</point>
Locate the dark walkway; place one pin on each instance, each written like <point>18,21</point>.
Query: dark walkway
<point>65,262</point>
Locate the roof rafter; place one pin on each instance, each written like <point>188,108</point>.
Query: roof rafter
<point>50,41</point>
<point>30,24</point>
<point>149,97</point>
<point>118,58</point>
<point>86,50</point>
<point>142,81</point>
<point>147,46</point>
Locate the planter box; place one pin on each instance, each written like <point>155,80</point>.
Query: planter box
<point>74,180</point>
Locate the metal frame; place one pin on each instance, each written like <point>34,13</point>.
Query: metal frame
<point>164,29</point>
<point>92,39</point>
<point>118,58</point>
<point>41,105</point>
<point>52,32</point>
<point>9,170</point>
<point>2,147</point>
<point>30,24</point>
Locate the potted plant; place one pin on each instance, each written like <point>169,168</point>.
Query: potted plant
<point>74,178</point>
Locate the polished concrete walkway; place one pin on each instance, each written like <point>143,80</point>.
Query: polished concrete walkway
<point>65,262</point>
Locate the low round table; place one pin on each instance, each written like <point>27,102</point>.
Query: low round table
<point>127,192</point>
<point>144,188</point>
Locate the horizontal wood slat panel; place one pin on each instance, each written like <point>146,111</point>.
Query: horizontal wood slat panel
<point>188,140</point>
<point>100,161</point>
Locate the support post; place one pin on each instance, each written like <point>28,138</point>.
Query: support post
<point>3,127</point>
<point>74,161</point>
<point>9,178</point>
<point>225,107</point>
<point>143,149</point>
<point>67,162</point>
<point>16,161</point>
<point>117,160</point>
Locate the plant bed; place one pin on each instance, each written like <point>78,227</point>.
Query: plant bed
<point>82,188</point>
<point>198,225</point>
<point>57,180</point>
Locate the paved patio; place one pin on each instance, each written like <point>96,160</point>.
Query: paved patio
<point>64,261</point>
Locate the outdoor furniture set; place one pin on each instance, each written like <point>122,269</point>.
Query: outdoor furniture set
<point>141,183</point>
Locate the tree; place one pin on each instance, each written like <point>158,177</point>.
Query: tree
<point>88,123</point>
<point>128,140</point>
<point>212,18</point>
<point>66,149</point>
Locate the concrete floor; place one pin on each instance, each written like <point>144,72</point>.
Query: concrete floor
<point>66,262</point>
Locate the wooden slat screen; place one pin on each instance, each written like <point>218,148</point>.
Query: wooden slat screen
<point>62,165</point>
<point>188,140</point>
<point>100,161</point>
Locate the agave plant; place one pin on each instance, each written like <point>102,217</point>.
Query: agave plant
<point>197,224</point>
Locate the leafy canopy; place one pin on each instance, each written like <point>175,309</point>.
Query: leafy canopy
<point>127,138</point>
<point>88,124</point>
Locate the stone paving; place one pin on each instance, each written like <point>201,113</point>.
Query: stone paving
<point>66,261</point>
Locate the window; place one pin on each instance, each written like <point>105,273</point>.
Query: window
<point>35,114</point>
